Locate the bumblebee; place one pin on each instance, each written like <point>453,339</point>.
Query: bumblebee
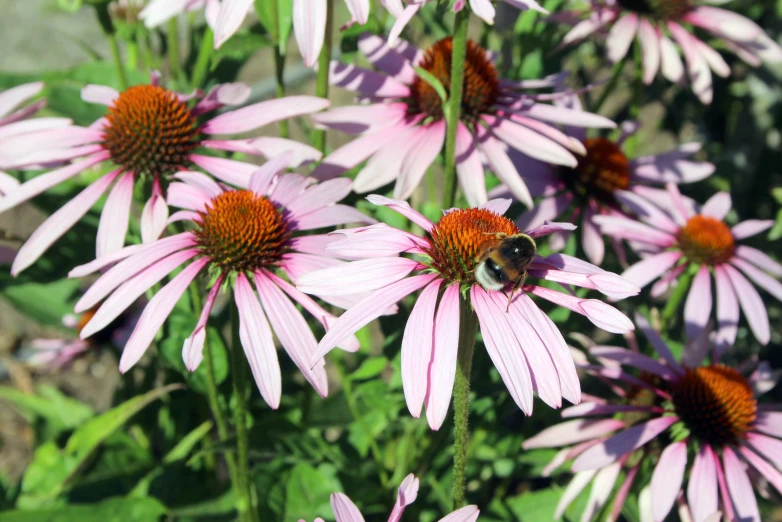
<point>503,262</point>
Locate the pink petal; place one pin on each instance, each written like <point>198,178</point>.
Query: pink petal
<point>571,432</point>
<point>402,207</point>
<point>442,368</point>
<point>417,346</point>
<point>378,240</point>
<point>644,272</point>
<point>465,514</point>
<point>667,479</point>
<point>261,179</point>
<point>231,171</point>
<point>263,113</point>
<point>155,314</point>
<point>502,166</point>
<point>229,18</point>
<point>330,216</point>
<point>309,27</point>
<point>751,304</point>
<point>698,68</point>
<point>770,423</point>
<point>387,164</point>
<point>591,409</point>
<point>344,509</point>
<point>646,211</point>
<point>670,61</point>
<point>717,206</point>
<point>193,347</point>
<point>292,331</point>
<point>418,159</point>
<point>319,196</point>
<point>15,96</point>
<point>624,228</point>
<point>621,36</point>
<point>650,49</point>
<point>602,486</point>
<point>591,240</point>
<point>32,126</point>
<point>631,358</point>
<point>697,308</point>
<point>360,119</point>
<point>750,228</point>
<point>385,58</point>
<point>702,493</point>
<point>574,488</point>
<point>369,309</point>
<point>190,197</point>
<point>599,313</point>
<point>740,487</point>
<point>763,280</point>
<point>657,343</point>
<point>722,22</point>
<point>406,495</point>
<point>401,22</point>
<point>727,309</point>
<point>568,116</point>
<point>610,450</point>
<point>158,11</point>
<point>769,447</point>
<point>369,84</point>
<point>60,222</point>
<point>529,142</point>
<point>548,228</point>
<point>132,289</point>
<point>288,187</point>
<point>769,472</point>
<point>115,217</point>
<point>257,342</point>
<point>99,94</point>
<point>154,218</point>
<point>270,146</point>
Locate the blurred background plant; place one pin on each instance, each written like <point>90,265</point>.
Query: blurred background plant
<point>82,442</point>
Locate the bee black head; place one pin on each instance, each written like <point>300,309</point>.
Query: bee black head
<point>518,248</point>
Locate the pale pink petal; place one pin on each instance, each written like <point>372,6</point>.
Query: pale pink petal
<point>612,449</point>
<point>319,196</point>
<point>394,7</point>
<point>599,313</point>
<point>673,166</point>
<point>154,217</point>
<point>770,423</point>
<point>201,181</point>
<point>417,346</point>
<point>31,126</point>
<point>99,264</point>
<point>229,18</point>
<point>270,146</point>
<point>155,314</point>
<point>378,240</point>
<point>369,309</point>
<point>650,49</point>
<point>724,23</point>
<point>387,164</point>
<point>231,171</point>
<point>530,142</point>
<point>418,160</point>
<point>403,208</point>
<point>769,447</point>
<point>498,206</point>
<point>263,113</point>
<point>624,228</point>
<point>657,343</point>
<point>622,493</point>
<point>330,216</point>
<point>670,61</point>
<point>697,66</point>
<point>262,178</point>
<point>727,309</point>
<point>751,303</point>
<point>621,36</point>
<point>571,432</point>
<point>442,368</point>
<point>769,472</point>
<point>114,219</point>
<point>717,206</point>
<point>309,27</point>
<point>602,486</point>
<point>344,509</point>
<point>257,342</point>
<point>385,58</point>
<point>763,280</point>
<point>588,26</point>
<point>292,331</point>
<point>288,187</point>
<point>740,487</point>
<point>715,61</point>
<point>591,240</point>
<point>751,227</point>
<point>697,308</point>
<point>631,358</point>
<point>574,488</point>
<point>367,83</point>
<point>189,197</point>
<point>401,22</point>
<point>360,119</point>
<point>667,479</point>
<point>60,222</point>
<point>15,96</point>
<point>99,94</point>
<point>158,11</point>
<point>465,514</point>
<point>702,493</point>
<point>591,409</point>
<point>193,347</point>
<point>503,167</point>
<point>646,211</point>
<point>644,272</point>
<point>550,228</point>
<point>548,131</point>
<point>406,495</point>
<point>547,209</point>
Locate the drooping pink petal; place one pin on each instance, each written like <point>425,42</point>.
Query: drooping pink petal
<point>271,146</point>
<point>236,173</point>
<point>263,113</point>
<point>624,228</point>
<point>621,36</point>
<point>59,223</point>
<point>529,142</point>
<point>697,308</point>
<point>289,187</point>
<point>571,432</point>
<point>591,409</point>
<point>647,270</point>
<point>114,219</point>
<point>646,211</point>
<point>99,94</point>
<point>155,314</point>
<point>763,280</point>
<point>379,240</point>
<point>262,178</point>
<point>361,119</point>
<point>503,167</point>
<point>591,240</point>
<point>697,66</point>
<point>257,342</point>
<point>201,181</point>
<point>602,487</point>
<point>547,209</point>
<point>292,331</point>
<point>442,367</point>
<point>357,276</point>
<point>401,22</point>
<point>727,309</point>
<point>229,18</point>
<point>193,347</point>
<point>667,479</point>
<point>722,22</point>
<point>631,358</point>
<point>31,126</point>
<point>740,487</point>
<point>670,62</point>
<point>369,309</point>
<point>309,27</point>
<point>417,346</point>
<point>15,96</point>
<point>154,217</point>
<point>702,493</point>
<point>465,514</point>
<point>359,10</point>
<point>344,509</point>
<point>417,161</point>
<point>768,471</point>
<point>612,449</point>
<point>577,484</point>
<point>622,493</point>
<point>402,207</point>
<point>599,313</point>
<point>548,228</point>
<point>769,447</point>
<point>385,58</point>
<point>387,164</point>
<point>650,50</point>
<point>751,304</point>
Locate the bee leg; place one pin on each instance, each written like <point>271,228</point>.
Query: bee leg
<point>516,286</point>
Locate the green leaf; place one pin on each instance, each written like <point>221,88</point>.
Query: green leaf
<point>180,326</point>
<point>110,510</point>
<point>370,368</point>
<point>534,505</point>
<point>46,303</point>
<point>45,476</point>
<point>59,412</point>
<point>308,491</point>
<point>240,47</point>
<point>432,80</point>
<point>281,33</point>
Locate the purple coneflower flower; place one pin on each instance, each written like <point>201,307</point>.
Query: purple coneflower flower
<point>483,9</point>
<point>524,344</point>
<point>685,238</point>
<point>237,235</point>
<point>346,511</point>
<point>595,186</point>
<point>149,133</point>
<point>652,21</point>
<point>669,415</point>
<point>403,127</point>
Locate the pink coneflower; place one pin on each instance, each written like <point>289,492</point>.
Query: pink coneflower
<point>237,235</point>
<point>403,129</point>
<point>15,125</point>
<point>526,347</point>
<point>668,411</point>
<point>346,511</point>
<point>483,9</point>
<point>597,185</point>
<point>148,133</point>
<point>701,243</point>
<point>652,21</point>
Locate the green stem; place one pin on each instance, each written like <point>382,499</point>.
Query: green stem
<point>132,55</point>
<point>672,306</point>
<point>638,88</point>
<point>245,504</point>
<point>468,326</point>
<point>322,82</point>
<point>202,62</point>
<point>616,73</point>
<point>104,18</point>
<point>279,58</point>
<point>212,392</point>
<point>453,110</point>
<point>173,46</point>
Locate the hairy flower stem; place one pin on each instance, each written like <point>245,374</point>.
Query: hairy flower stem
<point>202,61</point>
<point>279,58</point>
<point>453,110</point>
<point>212,392</point>
<point>104,18</point>
<point>173,47</point>
<point>322,82</point>
<point>468,326</point>
<point>245,502</point>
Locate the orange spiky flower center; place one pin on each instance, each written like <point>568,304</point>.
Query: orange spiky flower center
<point>150,131</point>
<point>716,403</point>
<point>603,170</point>
<point>707,240</point>
<point>457,240</point>
<point>480,88</point>
<point>242,231</point>
<point>659,9</point>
